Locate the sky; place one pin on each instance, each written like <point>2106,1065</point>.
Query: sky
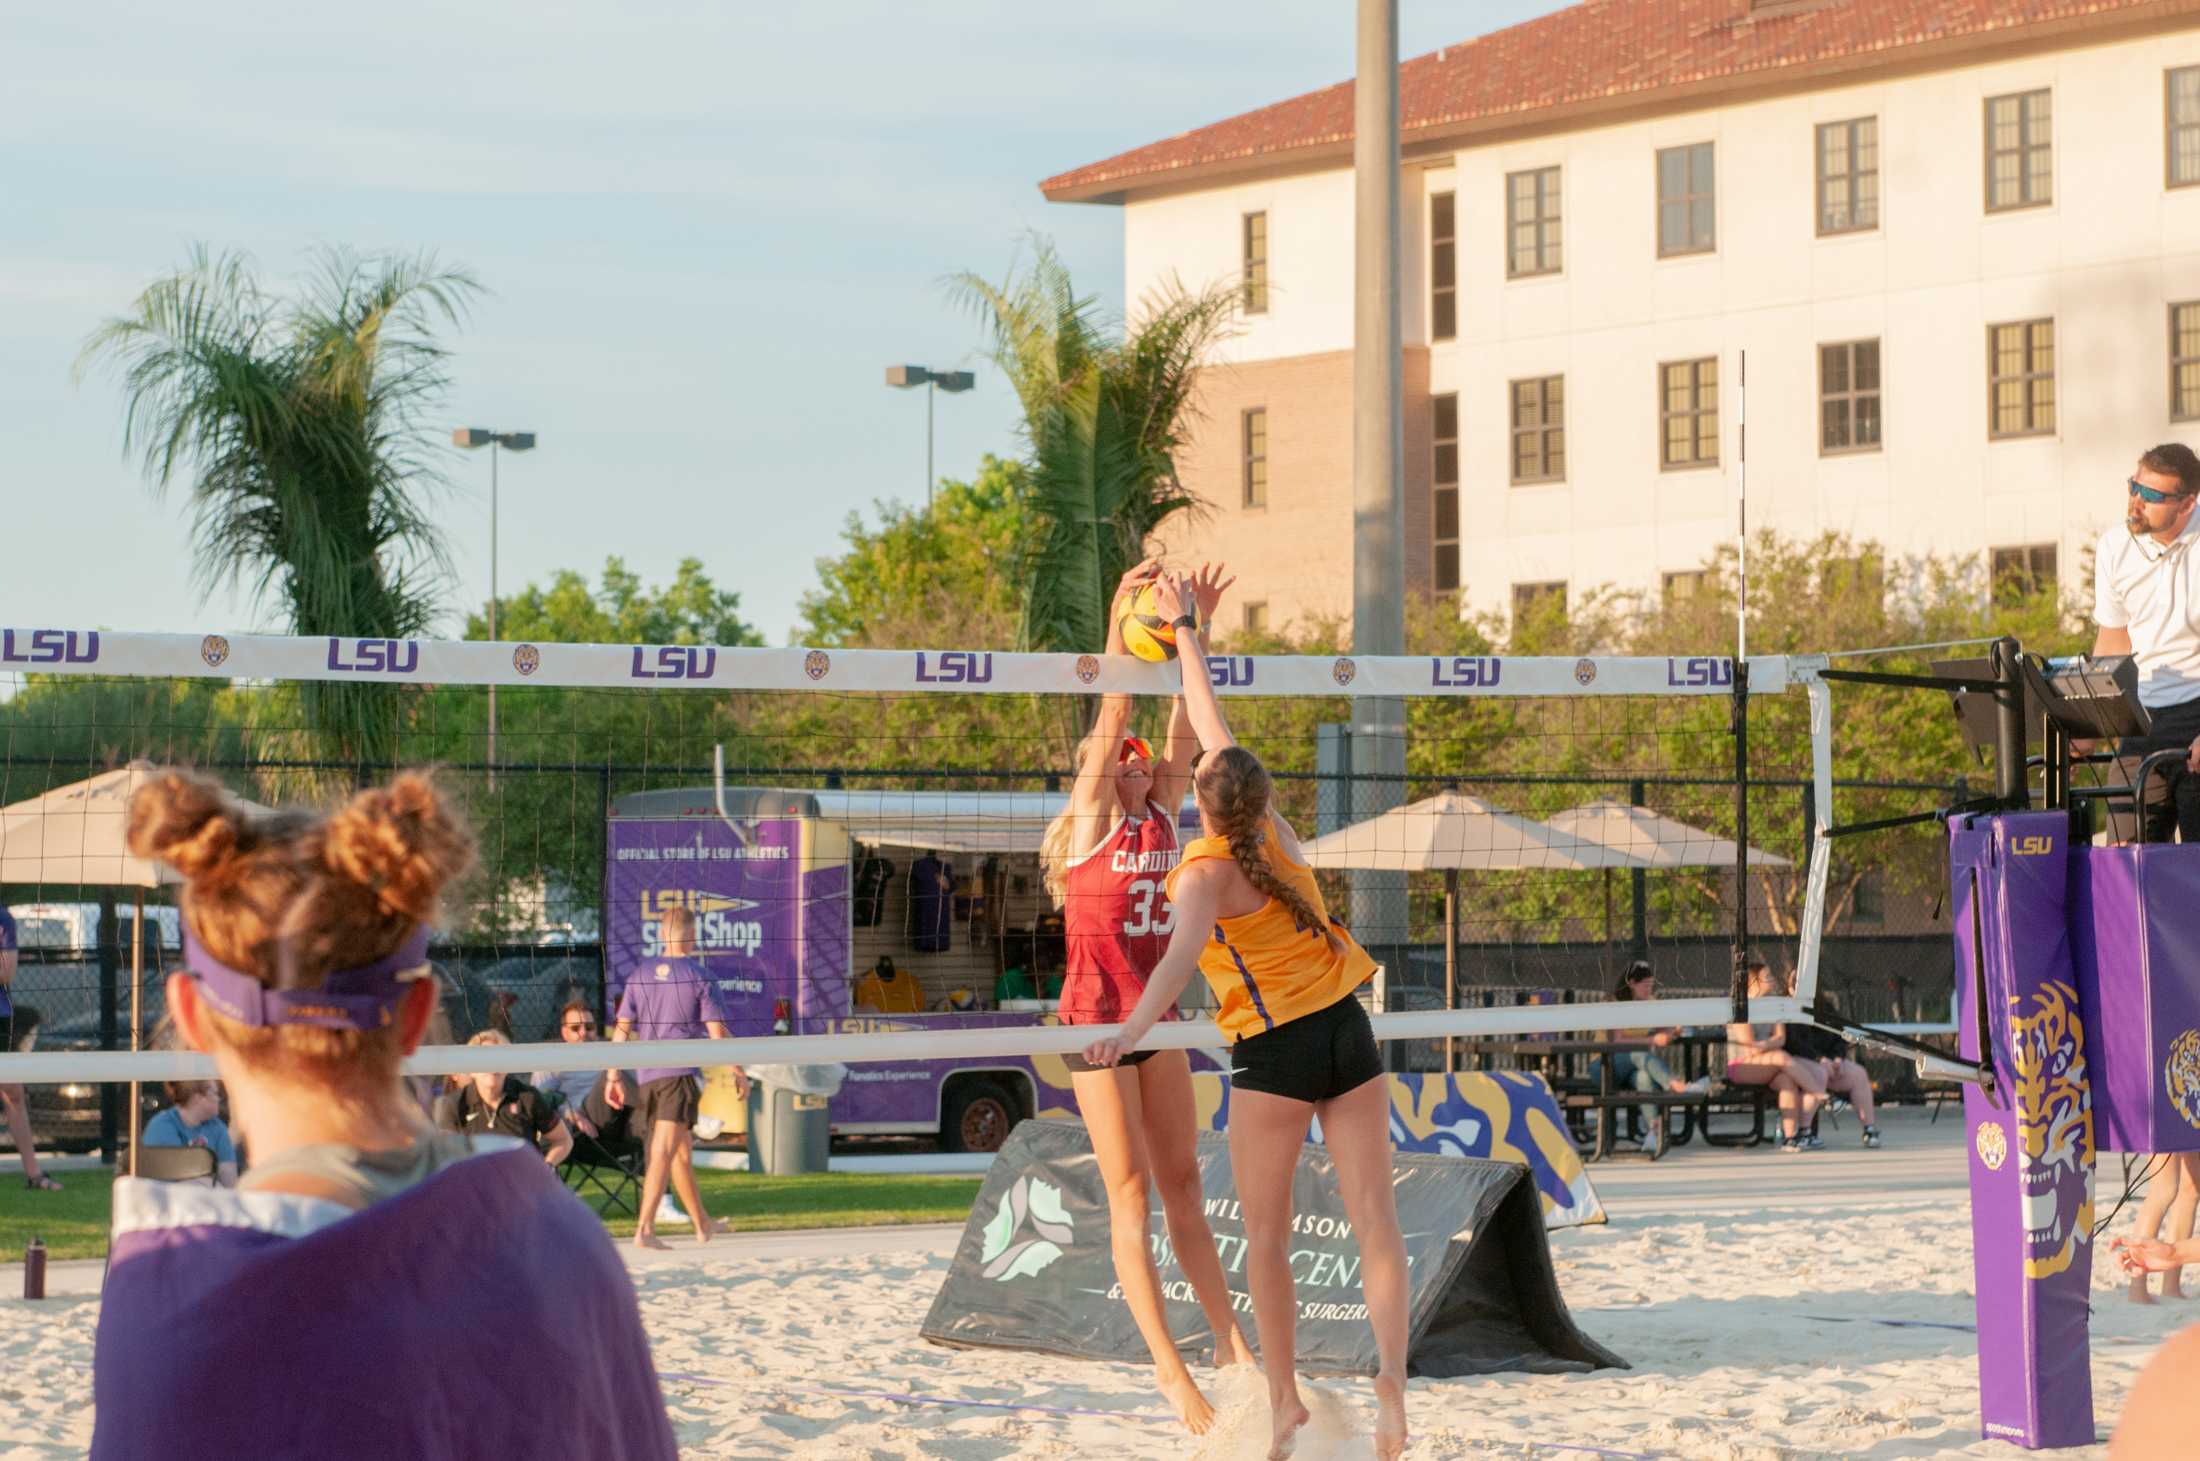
<point>705,230</point>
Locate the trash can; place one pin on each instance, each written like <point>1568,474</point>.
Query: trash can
<point>790,1117</point>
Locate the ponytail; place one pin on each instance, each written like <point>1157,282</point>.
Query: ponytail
<point>1235,790</point>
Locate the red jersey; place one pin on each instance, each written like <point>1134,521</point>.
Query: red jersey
<point>1116,918</point>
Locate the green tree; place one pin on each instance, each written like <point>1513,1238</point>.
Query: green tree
<point>1104,417</point>
<point>691,609</point>
<point>299,422</point>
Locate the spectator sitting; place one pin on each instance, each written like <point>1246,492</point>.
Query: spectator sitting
<point>194,1118</point>
<point>1757,1055</point>
<point>578,1095</point>
<point>1646,1070</point>
<point>494,1101</point>
<point>1844,1076</point>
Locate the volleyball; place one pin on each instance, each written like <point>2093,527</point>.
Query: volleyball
<point>1145,633</point>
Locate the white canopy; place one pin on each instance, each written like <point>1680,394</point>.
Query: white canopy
<point>1454,830</point>
<point>1658,840</point>
<point>74,834</point>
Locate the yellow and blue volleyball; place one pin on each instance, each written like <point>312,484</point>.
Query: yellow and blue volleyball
<point>1145,633</point>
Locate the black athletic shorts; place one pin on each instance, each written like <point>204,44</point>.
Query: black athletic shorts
<point>1076,1061</point>
<point>1315,1057</point>
<point>674,1098</point>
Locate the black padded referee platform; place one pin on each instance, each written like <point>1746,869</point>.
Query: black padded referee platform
<point>1033,1270</point>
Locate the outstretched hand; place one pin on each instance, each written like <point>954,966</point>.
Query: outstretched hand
<point>1135,578</point>
<point>2145,1255</point>
<point>1172,593</point>
<point>1207,588</point>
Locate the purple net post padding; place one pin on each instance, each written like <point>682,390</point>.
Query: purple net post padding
<point>2031,1144</point>
<point>2135,927</point>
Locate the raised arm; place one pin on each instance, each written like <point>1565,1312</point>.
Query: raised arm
<point>1090,787</point>
<point>1172,778</point>
<point>1174,596</point>
<point>1196,902</point>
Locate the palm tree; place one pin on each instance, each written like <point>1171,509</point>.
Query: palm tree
<point>298,421</point>
<point>1104,418</point>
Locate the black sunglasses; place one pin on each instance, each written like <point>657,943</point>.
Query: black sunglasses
<point>580,1024</point>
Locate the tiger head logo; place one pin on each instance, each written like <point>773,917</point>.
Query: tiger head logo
<point>2181,1076</point>
<point>1088,668</point>
<point>817,664</point>
<point>1585,671</point>
<point>1993,1145</point>
<point>2054,1130</point>
<point>526,659</point>
<point>1343,672</point>
<point>214,650</point>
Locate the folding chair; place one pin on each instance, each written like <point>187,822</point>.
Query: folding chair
<point>175,1164</point>
<point>607,1175</point>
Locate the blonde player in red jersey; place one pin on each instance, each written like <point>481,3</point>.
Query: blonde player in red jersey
<point>1106,857</point>
<point>1250,917</point>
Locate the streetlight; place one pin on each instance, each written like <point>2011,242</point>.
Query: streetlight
<point>471,437</point>
<point>908,377</point>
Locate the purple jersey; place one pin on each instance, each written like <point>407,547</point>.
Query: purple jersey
<point>668,999</point>
<point>482,1313</point>
<point>7,941</point>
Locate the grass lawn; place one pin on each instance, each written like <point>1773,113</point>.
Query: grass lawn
<point>73,1222</point>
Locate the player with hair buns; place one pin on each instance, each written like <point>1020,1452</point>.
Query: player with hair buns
<point>372,1287</point>
<point>1250,916</point>
<point>1105,857</point>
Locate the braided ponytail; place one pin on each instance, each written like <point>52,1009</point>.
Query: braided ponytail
<point>1235,789</point>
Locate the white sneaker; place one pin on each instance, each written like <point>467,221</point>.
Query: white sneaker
<point>1699,1086</point>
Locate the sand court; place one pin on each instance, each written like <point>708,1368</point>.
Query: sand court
<point>1772,1306</point>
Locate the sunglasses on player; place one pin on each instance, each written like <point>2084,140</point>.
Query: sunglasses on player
<point>2151,497</point>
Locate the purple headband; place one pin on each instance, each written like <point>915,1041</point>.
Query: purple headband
<point>348,999</point>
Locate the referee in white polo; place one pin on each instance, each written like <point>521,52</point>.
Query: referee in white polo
<point>2146,602</point>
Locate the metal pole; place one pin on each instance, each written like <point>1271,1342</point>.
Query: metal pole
<point>493,450</point>
<point>1639,884</point>
<point>2009,777</point>
<point>110,1018</point>
<point>1378,432</point>
<point>931,389</point>
<point>1740,988</point>
<point>1741,518</point>
<point>137,1018</point>
<point>1451,961</point>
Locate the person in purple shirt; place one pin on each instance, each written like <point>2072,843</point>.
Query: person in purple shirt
<point>363,1290</point>
<point>12,1101</point>
<point>669,998</point>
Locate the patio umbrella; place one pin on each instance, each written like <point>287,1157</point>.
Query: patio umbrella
<point>76,834</point>
<point>1449,832</point>
<point>1657,839</point>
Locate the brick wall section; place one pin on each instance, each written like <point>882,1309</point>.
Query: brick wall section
<point>1296,553</point>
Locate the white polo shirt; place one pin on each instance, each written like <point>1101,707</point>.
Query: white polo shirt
<point>2153,591</point>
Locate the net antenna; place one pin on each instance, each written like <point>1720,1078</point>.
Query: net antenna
<point>743,834</point>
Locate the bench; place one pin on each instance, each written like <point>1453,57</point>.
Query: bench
<point>1692,1104</point>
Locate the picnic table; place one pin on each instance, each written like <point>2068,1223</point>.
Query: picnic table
<point>1561,1062</point>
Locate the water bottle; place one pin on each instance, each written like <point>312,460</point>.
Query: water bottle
<point>780,1024</point>
<point>34,1270</point>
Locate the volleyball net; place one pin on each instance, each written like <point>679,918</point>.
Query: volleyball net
<point>859,831</point>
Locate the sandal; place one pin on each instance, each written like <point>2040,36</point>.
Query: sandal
<point>41,1183</point>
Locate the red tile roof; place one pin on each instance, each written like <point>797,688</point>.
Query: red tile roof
<point>1603,52</point>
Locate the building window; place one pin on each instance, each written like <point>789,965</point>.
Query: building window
<point>1532,223</point>
<point>1256,617</point>
<point>1685,200</point>
<point>1848,175</point>
<point>2182,115</point>
<point>1256,263</point>
<point>1848,396</point>
<point>1444,492</point>
<point>2022,572</point>
<point>2020,378</point>
<point>1868,900</point>
<point>1255,436</point>
<point>1688,412</point>
<point>2020,153</point>
<point>1538,429</point>
<point>1443,267</point>
<point>1680,587</point>
<point>1533,601</point>
<point>2184,361</point>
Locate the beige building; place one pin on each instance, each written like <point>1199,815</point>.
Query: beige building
<point>1959,241</point>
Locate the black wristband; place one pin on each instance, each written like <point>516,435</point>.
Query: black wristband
<point>1186,621</point>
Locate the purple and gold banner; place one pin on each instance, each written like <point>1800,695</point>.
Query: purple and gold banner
<point>2135,919</point>
<point>2031,1142</point>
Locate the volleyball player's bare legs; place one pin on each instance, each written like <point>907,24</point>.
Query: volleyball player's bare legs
<point>1356,1130</point>
<point>1266,1132</point>
<point>1115,1120</point>
<point>1172,1149</point>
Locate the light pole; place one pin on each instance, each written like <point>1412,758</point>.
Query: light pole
<point>471,437</point>
<point>907,377</point>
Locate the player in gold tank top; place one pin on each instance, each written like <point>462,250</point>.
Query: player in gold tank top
<point>1249,916</point>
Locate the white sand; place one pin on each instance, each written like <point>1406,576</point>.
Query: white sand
<point>1744,1286</point>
